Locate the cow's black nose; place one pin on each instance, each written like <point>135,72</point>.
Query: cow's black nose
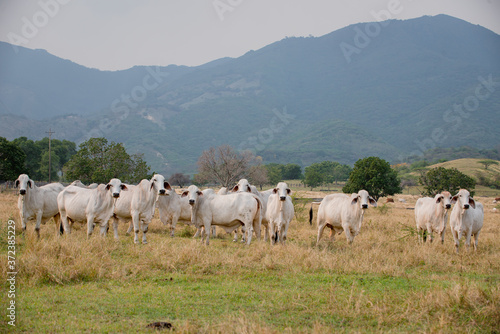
<point>448,206</point>
<point>116,195</point>
<point>466,206</point>
<point>282,198</point>
<point>22,191</point>
<point>162,191</point>
<point>364,206</point>
<point>191,201</point>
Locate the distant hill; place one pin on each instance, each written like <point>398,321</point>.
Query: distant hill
<point>410,88</point>
<point>471,167</point>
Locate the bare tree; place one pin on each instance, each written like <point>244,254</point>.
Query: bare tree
<point>179,179</point>
<point>257,175</point>
<point>224,165</point>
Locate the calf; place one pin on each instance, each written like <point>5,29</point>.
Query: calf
<point>279,212</point>
<point>172,208</point>
<point>227,211</point>
<point>431,215</point>
<point>341,212</point>
<point>138,205</point>
<point>38,203</point>
<point>93,205</point>
<point>466,218</point>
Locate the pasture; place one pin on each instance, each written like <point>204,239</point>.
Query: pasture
<point>384,282</point>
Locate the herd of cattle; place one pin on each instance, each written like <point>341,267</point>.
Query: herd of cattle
<point>242,206</point>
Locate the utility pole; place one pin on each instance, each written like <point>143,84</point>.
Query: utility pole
<point>50,132</point>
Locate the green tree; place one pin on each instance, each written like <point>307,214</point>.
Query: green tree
<point>442,179</point>
<point>374,175</point>
<point>488,163</point>
<point>99,161</point>
<point>12,160</point>
<point>312,177</point>
<point>55,162</point>
<point>275,173</point>
<point>292,172</point>
<point>33,154</point>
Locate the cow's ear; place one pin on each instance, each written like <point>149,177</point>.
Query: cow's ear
<point>167,185</point>
<point>30,183</point>
<point>17,183</point>
<point>249,189</point>
<point>152,184</point>
<point>454,199</point>
<point>199,193</point>
<point>108,186</point>
<point>275,190</point>
<point>235,188</point>
<point>372,201</point>
<point>440,197</point>
<point>123,187</point>
<point>185,193</point>
<point>472,203</point>
<point>288,191</point>
<point>354,198</point>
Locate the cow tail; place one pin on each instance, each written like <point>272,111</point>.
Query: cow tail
<point>311,215</point>
<point>61,227</point>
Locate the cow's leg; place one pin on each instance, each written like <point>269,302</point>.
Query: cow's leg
<point>104,228</point>
<point>144,232</point>
<point>214,232</point>
<point>348,234</point>
<point>455,238</point>
<point>206,232</point>
<point>64,222</point>
<point>115,227</point>
<point>173,224</point>
<point>442,236</point>
<point>249,232</point>
<point>136,221</point>
<point>467,239</point>
<point>90,226</point>
<point>476,236</point>
<point>130,227</point>
<point>429,231</point>
<point>198,232</point>
<point>57,220</point>
<point>321,228</point>
<point>38,223</point>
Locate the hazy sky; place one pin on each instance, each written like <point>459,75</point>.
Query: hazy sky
<point>118,34</point>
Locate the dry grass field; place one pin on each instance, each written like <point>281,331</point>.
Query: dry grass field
<point>384,282</point>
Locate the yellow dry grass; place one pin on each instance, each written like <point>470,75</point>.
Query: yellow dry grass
<point>385,247</point>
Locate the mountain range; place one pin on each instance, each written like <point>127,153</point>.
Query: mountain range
<point>389,89</point>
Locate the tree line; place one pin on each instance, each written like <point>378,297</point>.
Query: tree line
<point>98,160</point>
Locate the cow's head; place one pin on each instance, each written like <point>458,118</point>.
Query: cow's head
<point>282,190</point>
<point>363,198</point>
<point>463,199</point>
<point>115,186</point>
<point>193,194</point>
<point>23,182</point>
<point>444,198</point>
<point>159,184</point>
<point>242,186</point>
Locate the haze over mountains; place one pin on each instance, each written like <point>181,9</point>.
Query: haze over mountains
<point>388,89</point>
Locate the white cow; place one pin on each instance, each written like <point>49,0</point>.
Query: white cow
<point>91,205</point>
<point>79,183</point>
<point>466,218</point>
<point>227,211</point>
<point>244,186</point>
<point>138,205</point>
<point>222,191</point>
<point>279,212</point>
<point>431,215</point>
<point>341,212</point>
<point>39,203</point>
<point>172,208</point>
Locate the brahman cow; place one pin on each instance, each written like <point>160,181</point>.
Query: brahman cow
<point>39,203</point>
<point>341,212</point>
<point>466,218</point>
<point>227,211</point>
<point>279,212</point>
<point>91,205</point>
<point>138,205</point>
<point>431,215</point>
